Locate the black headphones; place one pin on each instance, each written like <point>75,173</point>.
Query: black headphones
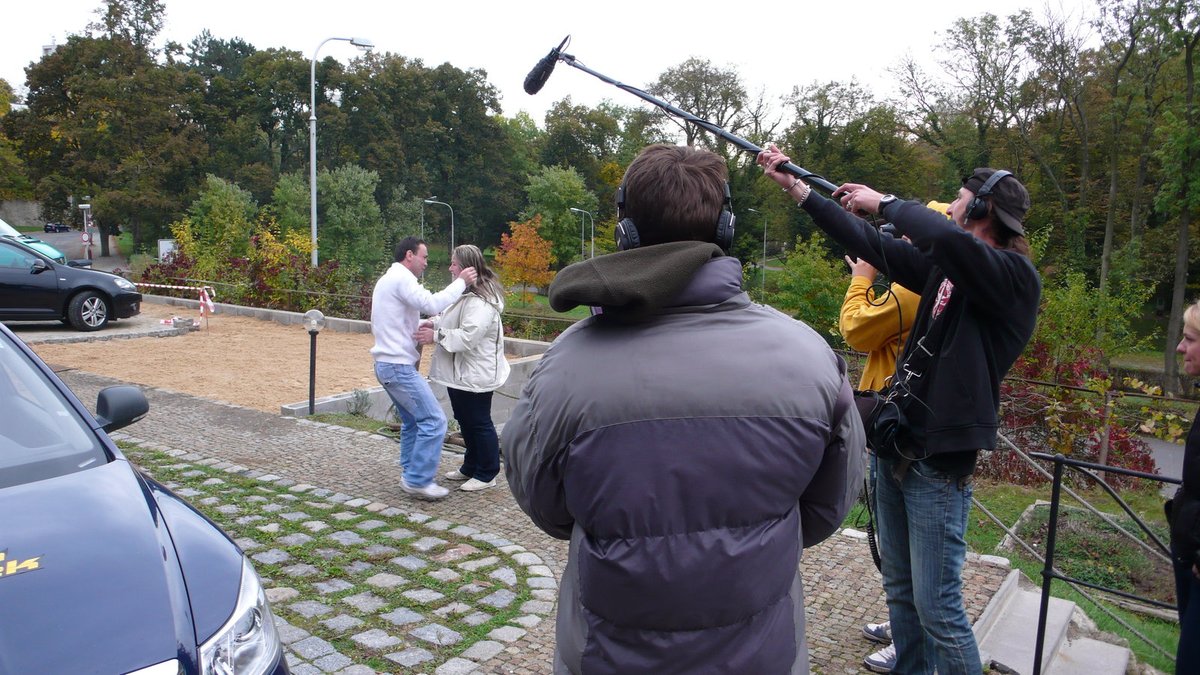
<point>978,208</point>
<point>627,235</point>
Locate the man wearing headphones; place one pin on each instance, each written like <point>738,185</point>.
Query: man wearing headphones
<point>688,442</point>
<point>979,302</point>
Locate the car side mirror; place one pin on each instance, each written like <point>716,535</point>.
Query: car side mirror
<point>120,406</point>
<point>39,266</point>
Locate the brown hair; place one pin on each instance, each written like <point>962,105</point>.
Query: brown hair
<point>675,193</point>
<point>487,285</point>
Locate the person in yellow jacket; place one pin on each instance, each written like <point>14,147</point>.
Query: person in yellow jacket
<point>879,327</point>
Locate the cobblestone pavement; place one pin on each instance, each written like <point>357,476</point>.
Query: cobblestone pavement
<point>323,474</point>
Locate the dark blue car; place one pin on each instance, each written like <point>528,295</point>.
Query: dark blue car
<point>102,569</point>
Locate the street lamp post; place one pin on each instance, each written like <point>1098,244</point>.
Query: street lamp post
<point>592,221</point>
<point>433,200</point>
<point>361,43</point>
<point>314,321</point>
<point>762,288</point>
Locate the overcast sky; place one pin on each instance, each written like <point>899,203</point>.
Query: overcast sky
<point>772,46</point>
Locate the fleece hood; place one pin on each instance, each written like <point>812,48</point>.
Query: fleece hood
<point>632,285</point>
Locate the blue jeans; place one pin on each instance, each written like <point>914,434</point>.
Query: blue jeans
<point>1187,595</point>
<point>424,423</point>
<point>473,411</point>
<point>922,528</point>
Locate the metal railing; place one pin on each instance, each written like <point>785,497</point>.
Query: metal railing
<point>1050,573</point>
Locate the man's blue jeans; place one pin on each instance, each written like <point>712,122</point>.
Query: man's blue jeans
<point>922,529</point>
<point>424,423</point>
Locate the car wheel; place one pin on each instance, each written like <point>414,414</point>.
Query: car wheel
<point>88,311</point>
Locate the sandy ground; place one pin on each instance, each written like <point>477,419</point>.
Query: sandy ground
<point>250,362</point>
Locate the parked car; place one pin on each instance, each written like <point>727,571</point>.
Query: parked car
<point>35,288</point>
<point>56,227</point>
<point>103,569</point>
<point>36,244</point>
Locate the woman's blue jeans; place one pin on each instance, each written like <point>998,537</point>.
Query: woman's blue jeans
<point>922,530</point>
<point>473,411</point>
<point>424,423</point>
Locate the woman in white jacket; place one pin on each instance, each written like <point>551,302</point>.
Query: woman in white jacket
<point>469,361</point>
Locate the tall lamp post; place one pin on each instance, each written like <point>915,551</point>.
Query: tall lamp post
<point>361,43</point>
<point>314,321</point>
<point>433,200</point>
<point>591,220</point>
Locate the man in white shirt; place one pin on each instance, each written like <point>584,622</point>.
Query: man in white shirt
<point>397,303</point>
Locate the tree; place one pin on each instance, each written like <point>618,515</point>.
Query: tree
<point>135,21</point>
<point>713,94</point>
<point>811,287</point>
<point>552,193</point>
<point>14,184</point>
<point>350,225</point>
<point>524,258</point>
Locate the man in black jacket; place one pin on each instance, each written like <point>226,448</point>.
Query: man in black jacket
<point>979,301</point>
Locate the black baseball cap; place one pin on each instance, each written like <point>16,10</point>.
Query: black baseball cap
<point>1010,199</point>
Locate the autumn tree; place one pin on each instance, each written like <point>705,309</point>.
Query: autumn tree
<point>524,258</point>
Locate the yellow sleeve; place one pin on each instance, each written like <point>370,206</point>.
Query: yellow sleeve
<point>867,327</point>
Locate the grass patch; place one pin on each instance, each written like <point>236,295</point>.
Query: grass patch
<point>352,421</point>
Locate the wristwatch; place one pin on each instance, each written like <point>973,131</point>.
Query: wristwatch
<point>884,201</point>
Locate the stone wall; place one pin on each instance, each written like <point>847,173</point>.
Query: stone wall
<point>21,213</point>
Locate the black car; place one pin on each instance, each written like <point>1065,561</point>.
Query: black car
<point>103,569</point>
<point>56,227</point>
<point>35,288</point>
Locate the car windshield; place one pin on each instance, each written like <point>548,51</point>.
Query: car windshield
<point>41,435</point>
<point>7,230</point>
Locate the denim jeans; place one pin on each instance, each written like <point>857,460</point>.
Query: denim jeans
<point>922,529</point>
<point>424,423</point>
<point>1187,595</point>
<point>473,410</point>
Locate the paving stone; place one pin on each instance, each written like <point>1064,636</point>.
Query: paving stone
<point>375,639</point>
<point>295,539</point>
<point>246,520</point>
<point>310,608</point>
<point>271,557</point>
<point>419,517</point>
<point>537,607</point>
<point>476,619</point>
<point>526,559</point>
<point>357,566</point>
<point>324,506</point>
<point>423,595</point>
<point>409,562</point>
<point>301,668</point>
<point>327,553</point>
<point>500,599</point>
<point>410,657</point>
<point>457,552</point>
<point>229,509</point>
<point>301,570</point>
<point>528,621</point>
<point>312,647</point>
<point>400,533</point>
<point>386,580</point>
<point>332,663</point>
<point>278,596</point>
<point>370,525</point>
<point>315,525</point>
<point>391,511</point>
<point>320,492</point>
<point>456,666</point>
<point>376,507</point>
<point>342,623</point>
<point>379,551</point>
<point>464,530</point>
<point>472,565</point>
<point>365,602</point>
<point>483,650</point>
<point>270,528</point>
<point>473,588</point>
<point>544,594</point>
<point>343,516</point>
<point>357,502</point>
<point>358,669</point>
<point>339,498</point>
<point>504,575</point>
<point>402,616</point>
<point>445,575</point>
<point>439,524</point>
<point>289,633</point>
<point>540,571</point>
<point>272,508</point>
<point>346,537</point>
<point>293,516</point>
<point>453,608</point>
<point>436,633</point>
<point>426,544</point>
<point>247,544</point>
<point>541,582</point>
<point>332,586</point>
<point>508,633</point>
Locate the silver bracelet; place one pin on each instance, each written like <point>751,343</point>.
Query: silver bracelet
<point>804,197</point>
<point>794,184</point>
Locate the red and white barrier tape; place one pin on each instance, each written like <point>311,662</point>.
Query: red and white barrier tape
<point>207,295</point>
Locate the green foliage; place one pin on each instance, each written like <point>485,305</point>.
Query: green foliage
<point>811,287</point>
<point>350,226</point>
<point>553,192</point>
<point>217,228</point>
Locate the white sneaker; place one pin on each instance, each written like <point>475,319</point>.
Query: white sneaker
<point>456,475</point>
<point>476,484</point>
<point>878,632</point>
<point>431,492</point>
<point>882,661</point>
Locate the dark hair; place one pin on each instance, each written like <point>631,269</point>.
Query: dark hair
<point>1008,240</point>
<point>675,193</point>
<point>408,244</point>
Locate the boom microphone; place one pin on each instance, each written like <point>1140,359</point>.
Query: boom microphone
<point>536,79</point>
